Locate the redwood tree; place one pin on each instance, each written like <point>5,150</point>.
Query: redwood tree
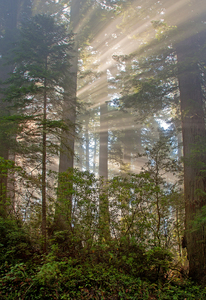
<point>193,132</point>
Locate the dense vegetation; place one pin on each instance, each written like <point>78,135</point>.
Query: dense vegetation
<point>135,262</point>
<point>138,260</point>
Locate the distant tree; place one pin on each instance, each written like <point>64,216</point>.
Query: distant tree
<point>12,12</point>
<point>35,92</point>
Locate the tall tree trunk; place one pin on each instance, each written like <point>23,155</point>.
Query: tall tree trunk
<point>67,150</point>
<point>193,133</point>
<point>179,209</point>
<point>66,160</point>
<point>44,146</point>
<point>94,151</point>
<point>69,105</point>
<point>104,218</point>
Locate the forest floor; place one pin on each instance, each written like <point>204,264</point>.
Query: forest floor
<point>49,277</point>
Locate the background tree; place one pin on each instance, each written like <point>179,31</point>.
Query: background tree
<point>11,14</point>
<point>35,93</point>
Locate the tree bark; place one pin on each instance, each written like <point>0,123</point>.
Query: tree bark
<point>66,159</point>
<point>193,133</point>
<point>69,105</point>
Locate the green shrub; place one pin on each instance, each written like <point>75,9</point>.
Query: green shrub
<point>14,241</point>
<point>71,279</point>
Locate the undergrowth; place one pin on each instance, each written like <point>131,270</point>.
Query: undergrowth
<point>109,271</point>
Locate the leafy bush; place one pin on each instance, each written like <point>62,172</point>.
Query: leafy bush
<point>71,278</point>
<point>14,241</point>
<point>122,208</point>
<point>85,261</point>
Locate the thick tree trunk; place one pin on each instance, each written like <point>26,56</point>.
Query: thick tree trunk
<point>69,106</point>
<point>67,144</point>
<point>103,172</point>
<point>66,160</point>
<point>193,132</point>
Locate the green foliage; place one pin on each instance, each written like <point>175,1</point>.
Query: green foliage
<point>199,219</point>
<point>41,58</point>
<point>159,261</point>
<point>140,205</point>
<point>80,264</point>
<point>15,244</point>
<point>34,94</point>
<point>72,278</point>
<point>7,168</point>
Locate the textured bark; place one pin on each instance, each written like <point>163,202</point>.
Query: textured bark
<point>69,106</point>
<point>69,116</point>
<point>66,160</point>
<point>193,133</point>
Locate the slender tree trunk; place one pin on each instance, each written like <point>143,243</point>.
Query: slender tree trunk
<point>179,210</point>
<point>87,143</point>
<point>81,155</point>
<point>44,136</point>
<point>157,197</point>
<point>127,150</point>
<point>94,151</point>
<point>193,133</point>
<point>178,232</point>
<point>103,142</point>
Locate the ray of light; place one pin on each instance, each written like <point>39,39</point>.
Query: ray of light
<point>114,40</point>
